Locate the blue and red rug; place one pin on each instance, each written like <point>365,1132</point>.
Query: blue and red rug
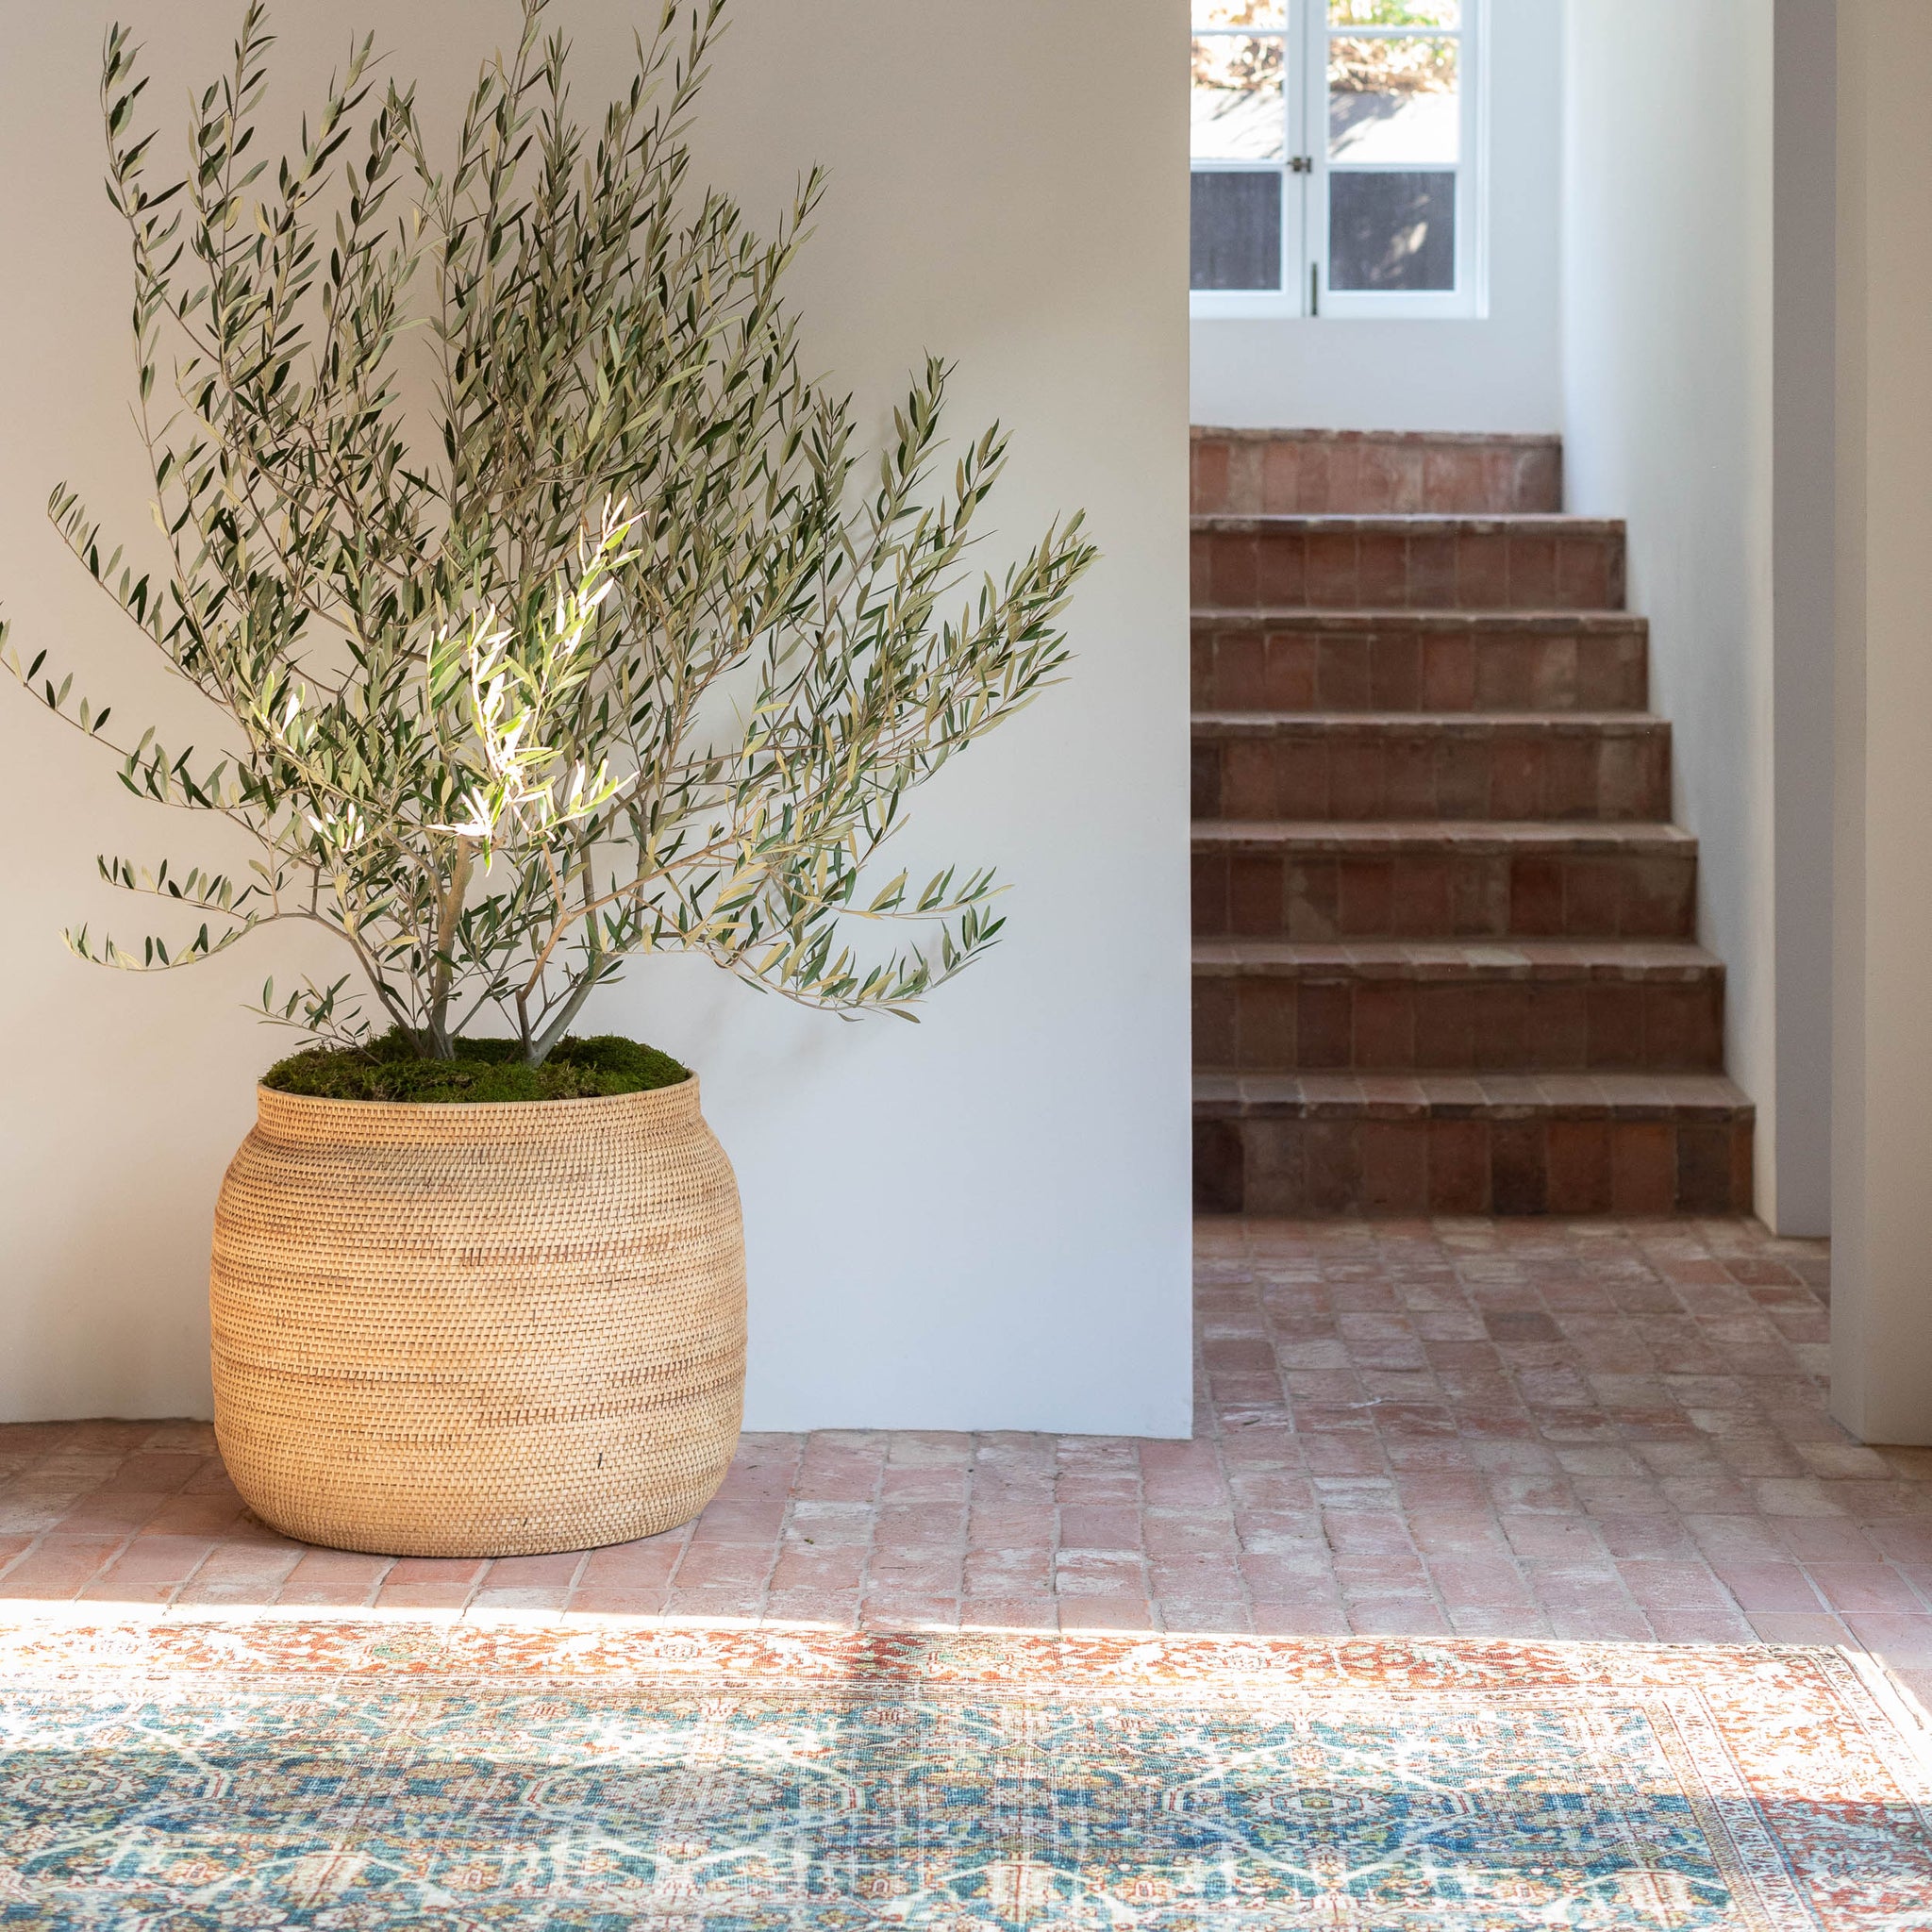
<point>368,1777</point>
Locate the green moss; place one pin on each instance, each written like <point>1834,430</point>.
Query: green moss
<point>483,1069</point>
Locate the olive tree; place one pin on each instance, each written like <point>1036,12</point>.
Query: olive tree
<point>547,612</point>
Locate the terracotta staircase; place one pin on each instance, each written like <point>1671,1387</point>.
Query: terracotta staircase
<point>1444,931</point>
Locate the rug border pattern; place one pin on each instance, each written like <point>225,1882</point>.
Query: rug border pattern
<point>1726,1719</point>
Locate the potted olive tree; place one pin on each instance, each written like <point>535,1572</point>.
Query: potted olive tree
<point>546,615</point>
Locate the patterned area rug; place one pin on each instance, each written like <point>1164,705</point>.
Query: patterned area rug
<point>174,1776</point>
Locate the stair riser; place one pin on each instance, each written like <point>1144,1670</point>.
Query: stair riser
<point>1475,569</point>
<point>1457,896</point>
<point>1532,1166</point>
<point>1407,671</point>
<point>1371,476</point>
<point>1623,775</point>
<point>1279,1024</point>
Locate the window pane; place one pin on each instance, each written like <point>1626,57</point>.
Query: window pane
<point>1393,13</point>
<point>1236,229</point>
<point>1394,100</point>
<point>1390,231</point>
<point>1240,13</point>
<point>1239,112</point>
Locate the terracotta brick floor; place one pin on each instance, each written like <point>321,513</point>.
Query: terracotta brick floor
<point>1527,1428</point>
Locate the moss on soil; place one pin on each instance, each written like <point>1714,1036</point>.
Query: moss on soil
<point>483,1069</point>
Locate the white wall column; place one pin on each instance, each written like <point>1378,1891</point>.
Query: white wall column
<point>1804,233</point>
<point>1882,1155</point>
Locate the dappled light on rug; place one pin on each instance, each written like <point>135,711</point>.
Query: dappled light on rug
<point>352,1776</point>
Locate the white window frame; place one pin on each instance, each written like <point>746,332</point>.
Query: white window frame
<point>1305,294</point>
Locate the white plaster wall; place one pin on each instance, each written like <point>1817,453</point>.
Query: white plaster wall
<point>1501,372</point>
<point>980,1222</point>
<point>1668,422</point>
<point>1805,427</point>
<point>1881,1308</point>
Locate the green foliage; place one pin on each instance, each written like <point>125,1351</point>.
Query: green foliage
<point>1417,13</point>
<point>611,647</point>
<point>482,1070</point>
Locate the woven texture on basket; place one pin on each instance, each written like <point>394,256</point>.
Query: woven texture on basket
<point>468,1331</point>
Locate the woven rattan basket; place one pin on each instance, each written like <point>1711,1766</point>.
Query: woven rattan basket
<point>470,1331</point>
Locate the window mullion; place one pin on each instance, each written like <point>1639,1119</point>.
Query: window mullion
<point>1313,93</point>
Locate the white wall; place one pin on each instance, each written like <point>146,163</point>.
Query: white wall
<point>981,1221</point>
<point>1668,271</point>
<point>1881,1308</point>
<point>1501,372</point>
<point>1804,510</point>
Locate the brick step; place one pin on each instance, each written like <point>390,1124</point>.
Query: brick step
<point>1409,563</point>
<point>1257,471</point>
<point>1442,879</point>
<point>1396,1144</point>
<point>1581,765</point>
<point>1419,661</point>
<point>1538,1005</point>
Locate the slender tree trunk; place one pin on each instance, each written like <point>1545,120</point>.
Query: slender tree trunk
<point>540,1047</point>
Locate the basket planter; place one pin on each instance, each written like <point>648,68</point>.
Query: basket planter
<point>478,1330</point>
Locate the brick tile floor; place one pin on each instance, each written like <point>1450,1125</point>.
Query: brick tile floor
<point>1522,1428</point>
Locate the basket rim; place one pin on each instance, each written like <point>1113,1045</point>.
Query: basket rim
<point>416,1107</point>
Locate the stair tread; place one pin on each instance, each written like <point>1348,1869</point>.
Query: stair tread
<point>1369,618</point>
<point>1260,723</point>
<point>1525,523</point>
<point>1466,835</point>
<point>1671,960</point>
<point>1422,439</point>
<point>1225,1094</point>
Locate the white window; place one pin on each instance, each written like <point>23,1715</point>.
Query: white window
<point>1337,153</point>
